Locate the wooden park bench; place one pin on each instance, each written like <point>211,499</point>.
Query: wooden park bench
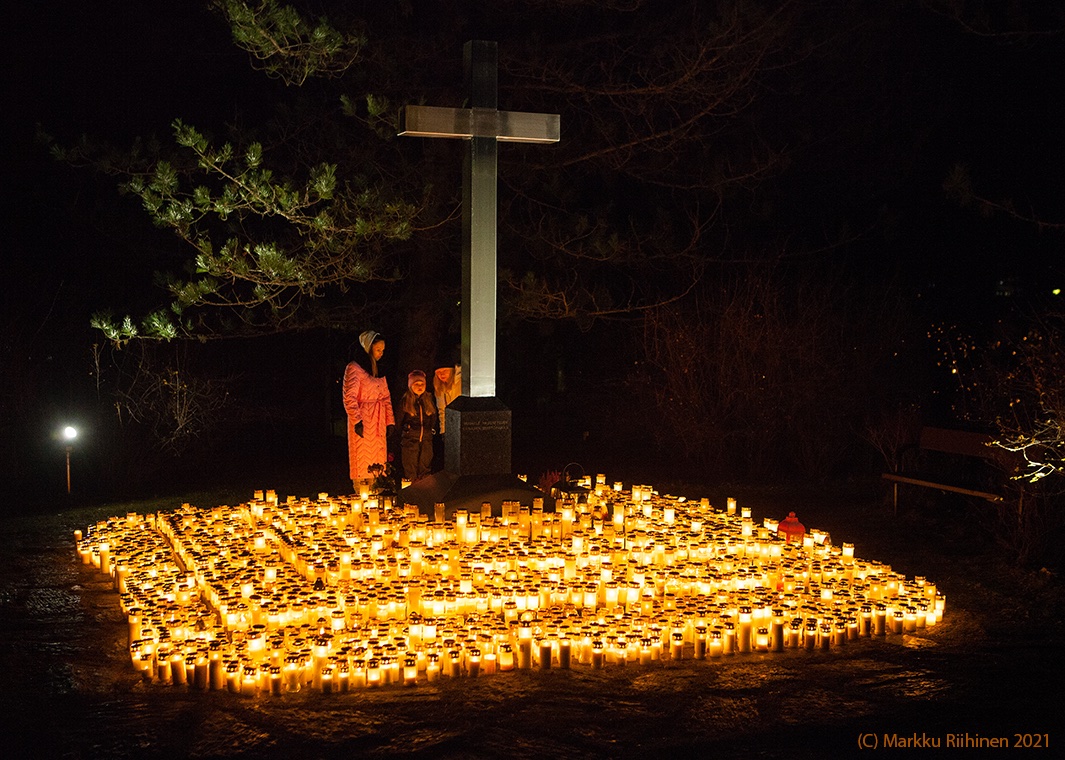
<point>958,443</point>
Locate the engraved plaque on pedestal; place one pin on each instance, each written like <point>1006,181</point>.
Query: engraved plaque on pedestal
<point>478,437</point>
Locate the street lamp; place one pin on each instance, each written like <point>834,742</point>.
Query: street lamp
<point>69,434</point>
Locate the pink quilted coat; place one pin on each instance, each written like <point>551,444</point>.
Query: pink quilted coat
<point>366,400</point>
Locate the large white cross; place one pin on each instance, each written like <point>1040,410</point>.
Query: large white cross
<point>484,126</point>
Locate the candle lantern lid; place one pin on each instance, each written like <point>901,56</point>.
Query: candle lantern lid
<point>565,488</point>
<point>791,528</point>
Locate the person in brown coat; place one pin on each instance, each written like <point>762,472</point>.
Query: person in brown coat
<point>417,425</point>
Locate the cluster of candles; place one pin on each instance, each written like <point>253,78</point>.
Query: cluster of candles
<point>337,594</point>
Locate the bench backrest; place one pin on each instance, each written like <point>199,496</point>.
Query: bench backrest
<point>957,442</point>
<point>969,444</point>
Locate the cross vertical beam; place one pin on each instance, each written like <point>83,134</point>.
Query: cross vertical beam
<point>479,216</point>
<point>477,467</point>
<point>483,125</point>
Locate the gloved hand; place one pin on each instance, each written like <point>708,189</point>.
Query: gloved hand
<point>358,429</point>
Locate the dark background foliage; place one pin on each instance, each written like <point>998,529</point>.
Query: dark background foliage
<point>727,270</point>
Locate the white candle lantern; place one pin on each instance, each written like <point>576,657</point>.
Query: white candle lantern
<point>380,586</point>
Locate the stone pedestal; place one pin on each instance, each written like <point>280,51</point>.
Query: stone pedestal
<point>478,437</point>
<point>477,466</point>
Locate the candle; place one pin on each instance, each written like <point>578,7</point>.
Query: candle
<point>716,646</point>
<point>865,620</point>
<point>793,633</point>
<point>200,672</point>
<point>291,673</point>
<point>105,559</point>
<point>880,620</point>
<point>909,620</point>
<point>248,679</point>
<point>545,654</point>
<point>810,640</point>
<point>373,673</point>
<point>838,633</point>
<point>134,620</point>
<point>895,621</point>
<point>432,667</point>
<point>824,635</point>
<point>216,670</point>
<point>410,671</point>
<point>326,679</point>
<point>524,646</point>
<point>506,657</point>
<point>676,646</point>
<point>233,677</point>
<point>359,678</point>
<point>162,666</point>
<point>729,643</point>
<point>743,630</point>
<point>776,631</point>
<point>761,639</point>
<point>334,581</point>
<point>178,674</point>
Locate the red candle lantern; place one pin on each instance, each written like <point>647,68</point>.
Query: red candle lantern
<point>792,529</point>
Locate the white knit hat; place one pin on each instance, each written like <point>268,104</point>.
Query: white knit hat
<point>368,338</point>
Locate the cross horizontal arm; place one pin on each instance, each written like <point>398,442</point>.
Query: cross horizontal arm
<point>467,123</point>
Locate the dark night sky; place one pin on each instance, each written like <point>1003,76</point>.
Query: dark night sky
<point>114,72</point>
<point>129,68</point>
<point>126,68</point>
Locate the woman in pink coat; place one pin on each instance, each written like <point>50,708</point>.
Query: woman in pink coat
<point>369,407</point>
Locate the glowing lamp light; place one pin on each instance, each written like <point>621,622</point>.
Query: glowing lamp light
<point>69,434</point>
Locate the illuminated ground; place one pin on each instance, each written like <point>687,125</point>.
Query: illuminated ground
<point>987,670</point>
